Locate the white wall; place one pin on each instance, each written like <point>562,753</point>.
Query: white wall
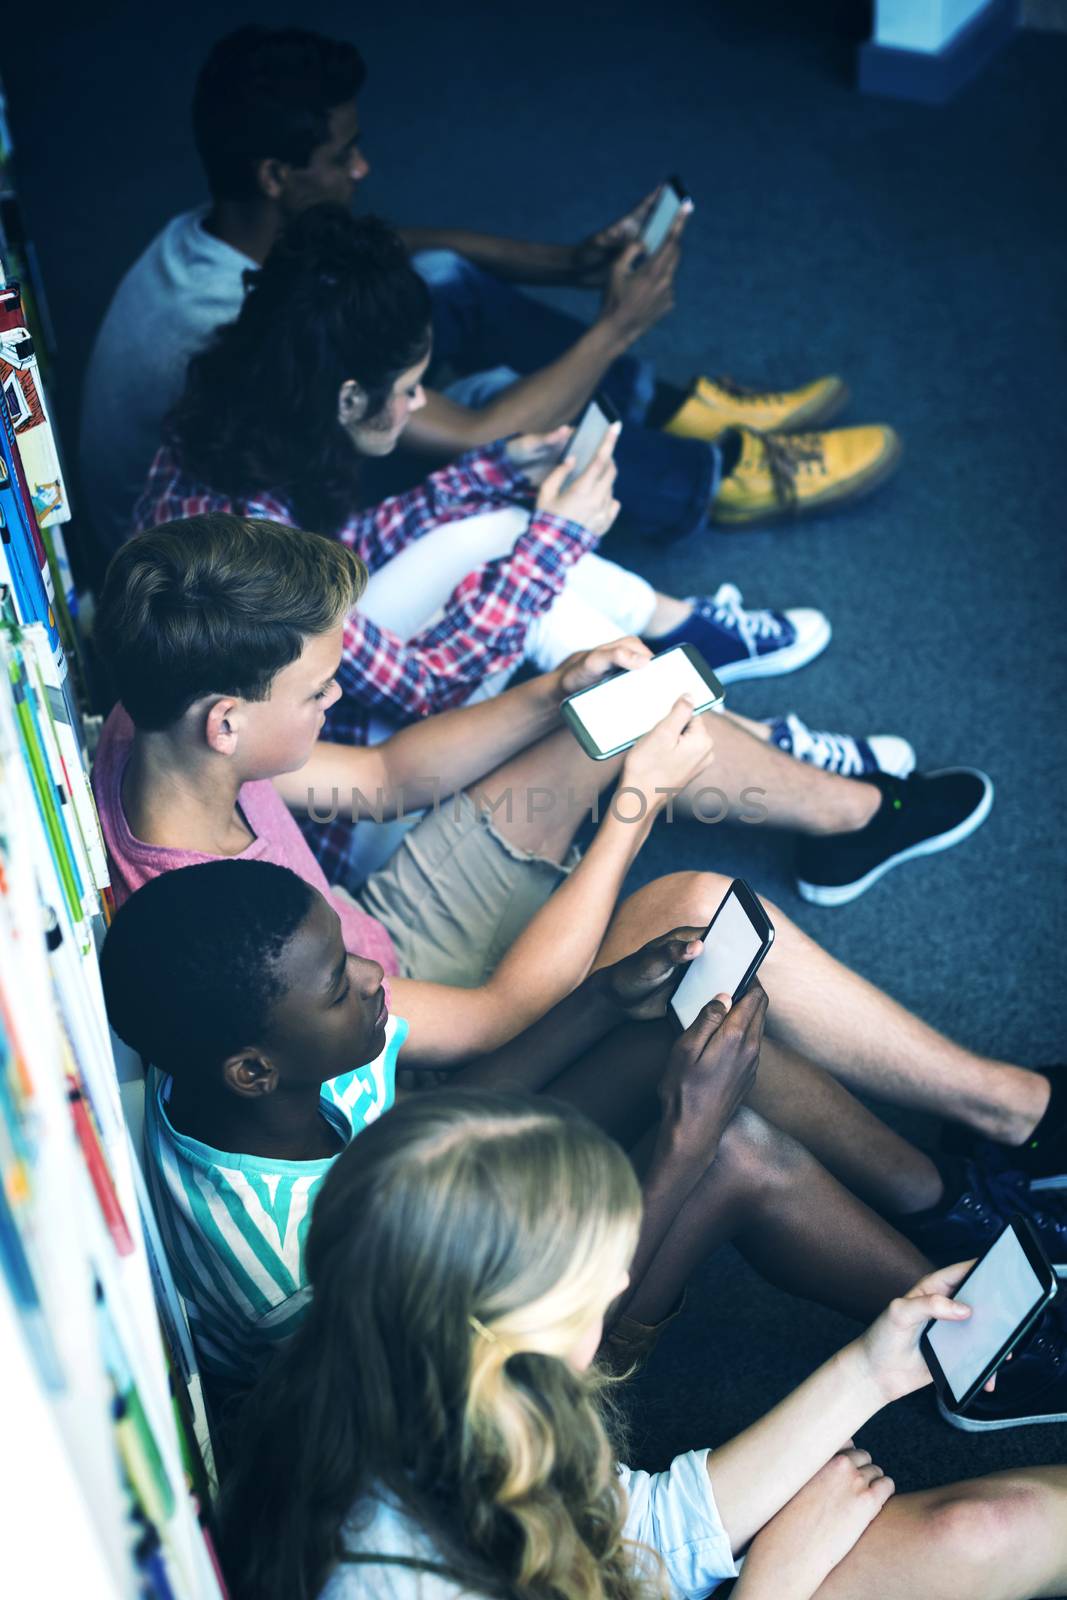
<point>922,24</point>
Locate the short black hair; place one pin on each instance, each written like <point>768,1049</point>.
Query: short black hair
<point>268,92</point>
<point>190,963</point>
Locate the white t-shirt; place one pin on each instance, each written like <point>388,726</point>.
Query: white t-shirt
<point>185,285</point>
<point>672,1512</point>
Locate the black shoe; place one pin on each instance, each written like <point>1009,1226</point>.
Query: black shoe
<point>1043,1160</point>
<point>918,816</point>
<point>1031,1387</point>
<point>977,1217</point>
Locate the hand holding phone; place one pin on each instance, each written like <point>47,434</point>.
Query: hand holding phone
<point>593,426</point>
<point>672,197</point>
<point>640,286</point>
<point>585,495</point>
<point>1006,1291</point>
<point>640,985</point>
<point>611,716</point>
<point>711,1069</point>
<point>735,943</point>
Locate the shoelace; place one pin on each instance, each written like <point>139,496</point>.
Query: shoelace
<point>833,752</point>
<point>727,612</point>
<point>1002,1194</point>
<point>786,453</point>
<point>744,391</point>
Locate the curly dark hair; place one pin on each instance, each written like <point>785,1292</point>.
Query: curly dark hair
<point>336,299</point>
<point>268,92</point>
<point>190,963</point>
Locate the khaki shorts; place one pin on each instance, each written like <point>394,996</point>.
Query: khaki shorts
<point>455,895</point>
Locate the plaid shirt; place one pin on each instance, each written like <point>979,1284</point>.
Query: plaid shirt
<point>483,629</point>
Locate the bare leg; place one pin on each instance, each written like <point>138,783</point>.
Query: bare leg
<point>799,1228</point>
<point>998,1538</point>
<point>851,1142</point>
<point>553,784</point>
<point>795,1224</point>
<point>668,615</point>
<point>836,1018</point>
<point>758,730</point>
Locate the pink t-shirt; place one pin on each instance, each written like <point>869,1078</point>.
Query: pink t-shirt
<point>276,838</point>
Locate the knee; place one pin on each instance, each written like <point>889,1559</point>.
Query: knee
<point>438,268</point>
<point>983,1529</point>
<point>757,1156</point>
<point>697,896</point>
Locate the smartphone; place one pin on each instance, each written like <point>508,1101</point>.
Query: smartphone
<point>611,716</point>
<point>735,942</point>
<point>1007,1292</point>
<point>665,208</point>
<point>588,436</point>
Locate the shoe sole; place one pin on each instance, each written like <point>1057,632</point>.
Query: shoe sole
<point>972,1425</point>
<point>840,894</point>
<point>791,659</point>
<point>847,491</point>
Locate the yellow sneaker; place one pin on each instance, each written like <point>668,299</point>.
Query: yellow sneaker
<point>718,403</point>
<point>785,475</point>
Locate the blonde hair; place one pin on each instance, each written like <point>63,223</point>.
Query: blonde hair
<point>458,1250</point>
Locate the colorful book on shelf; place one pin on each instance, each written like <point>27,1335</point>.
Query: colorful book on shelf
<point>48,800</point>
<point>27,404</point>
<point>66,722</point>
<point>27,559</point>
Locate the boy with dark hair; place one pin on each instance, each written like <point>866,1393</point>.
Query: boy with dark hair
<point>275,1048</point>
<point>278,92</point>
<point>277,128</point>
<point>481,918</point>
<point>186,606</point>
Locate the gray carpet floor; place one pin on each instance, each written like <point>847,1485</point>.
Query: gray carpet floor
<point>919,252</point>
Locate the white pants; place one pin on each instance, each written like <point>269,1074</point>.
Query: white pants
<point>600,601</point>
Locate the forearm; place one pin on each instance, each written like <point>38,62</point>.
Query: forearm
<point>673,1172</point>
<point>556,950</point>
<point>518,260</point>
<point>426,761</point>
<point>535,404</point>
<point>451,750</point>
<point>549,958</point>
<point>755,1474</point>
<point>529,1061</point>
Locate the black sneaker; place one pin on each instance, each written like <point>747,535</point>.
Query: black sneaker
<point>1031,1387</point>
<point>918,816</point>
<point>978,1215</point>
<point>1043,1160</point>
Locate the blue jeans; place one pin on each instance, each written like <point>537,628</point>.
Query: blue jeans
<point>489,333</point>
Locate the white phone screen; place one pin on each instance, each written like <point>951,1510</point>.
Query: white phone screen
<point>1001,1292</point>
<point>728,952</point>
<point>619,711</point>
<point>586,441</point>
<point>660,218</point>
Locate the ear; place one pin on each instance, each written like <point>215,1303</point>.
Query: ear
<point>351,402</point>
<point>272,176</point>
<point>222,726</point>
<point>250,1074</point>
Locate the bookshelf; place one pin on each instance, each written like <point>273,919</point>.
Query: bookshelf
<point>96,1475</point>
